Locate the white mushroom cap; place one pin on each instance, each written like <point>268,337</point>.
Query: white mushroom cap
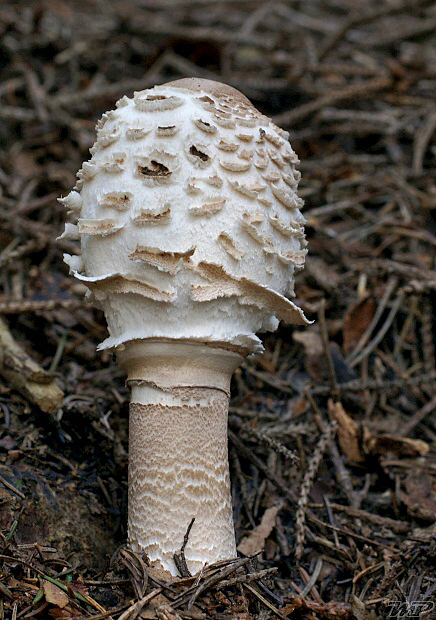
<point>189,218</point>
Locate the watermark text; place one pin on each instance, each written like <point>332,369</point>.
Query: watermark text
<point>409,609</point>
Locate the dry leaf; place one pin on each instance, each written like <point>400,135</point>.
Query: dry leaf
<point>25,375</point>
<point>62,614</point>
<point>256,540</point>
<point>289,608</point>
<point>155,571</point>
<point>401,446</point>
<point>420,496</point>
<point>54,595</point>
<point>310,340</point>
<point>324,275</point>
<point>166,612</point>
<point>347,432</point>
<point>316,360</point>
<point>356,320</point>
<point>299,406</point>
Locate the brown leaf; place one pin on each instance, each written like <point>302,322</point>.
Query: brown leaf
<point>166,612</point>
<point>356,320</point>
<point>324,275</point>
<point>420,496</point>
<point>54,595</point>
<point>256,539</point>
<point>62,614</point>
<point>155,571</point>
<point>310,340</point>
<point>347,432</point>
<point>401,446</point>
<point>316,361</point>
<point>299,406</point>
<point>316,364</point>
<point>289,608</point>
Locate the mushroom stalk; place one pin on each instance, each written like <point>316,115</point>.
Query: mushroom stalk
<point>180,396</point>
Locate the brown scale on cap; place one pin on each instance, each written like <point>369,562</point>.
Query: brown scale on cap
<point>216,89</point>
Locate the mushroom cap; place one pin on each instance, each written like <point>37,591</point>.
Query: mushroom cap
<point>189,219</point>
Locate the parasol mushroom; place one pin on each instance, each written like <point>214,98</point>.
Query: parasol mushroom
<point>190,233</point>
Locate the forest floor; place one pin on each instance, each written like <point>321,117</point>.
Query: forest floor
<point>332,431</point>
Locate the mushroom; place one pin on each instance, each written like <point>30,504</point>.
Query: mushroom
<point>190,235</point>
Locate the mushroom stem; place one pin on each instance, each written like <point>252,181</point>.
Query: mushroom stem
<point>178,462</point>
